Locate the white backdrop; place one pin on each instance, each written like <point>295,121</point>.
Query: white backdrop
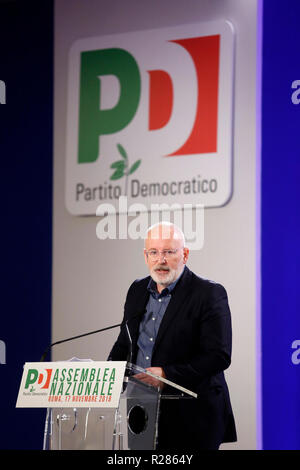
<point>91,277</point>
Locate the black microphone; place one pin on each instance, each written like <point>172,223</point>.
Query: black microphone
<point>130,352</point>
<point>130,342</point>
<point>76,337</point>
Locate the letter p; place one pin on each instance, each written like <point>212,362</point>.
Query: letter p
<point>32,376</point>
<point>93,121</point>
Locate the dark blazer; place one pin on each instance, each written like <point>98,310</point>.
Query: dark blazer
<point>193,346</point>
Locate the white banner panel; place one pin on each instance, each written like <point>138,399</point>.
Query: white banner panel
<point>71,384</point>
<point>150,117</point>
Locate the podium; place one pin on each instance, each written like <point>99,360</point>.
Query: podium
<point>133,425</point>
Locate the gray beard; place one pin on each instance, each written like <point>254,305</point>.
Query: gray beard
<point>171,277</point>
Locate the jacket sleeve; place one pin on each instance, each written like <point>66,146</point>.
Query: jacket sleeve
<point>212,354</point>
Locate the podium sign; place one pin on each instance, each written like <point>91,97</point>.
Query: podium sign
<point>71,384</point>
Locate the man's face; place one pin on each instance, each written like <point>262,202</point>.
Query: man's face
<point>165,269</point>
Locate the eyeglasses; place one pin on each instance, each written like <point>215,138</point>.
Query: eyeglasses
<point>166,254</point>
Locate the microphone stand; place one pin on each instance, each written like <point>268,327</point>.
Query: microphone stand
<point>76,337</point>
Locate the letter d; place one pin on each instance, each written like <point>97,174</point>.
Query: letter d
<point>94,122</point>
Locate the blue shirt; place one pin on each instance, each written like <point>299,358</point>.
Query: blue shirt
<point>149,326</point>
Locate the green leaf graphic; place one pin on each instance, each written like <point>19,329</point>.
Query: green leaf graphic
<point>117,175</point>
<point>122,151</point>
<point>119,165</point>
<point>134,167</point>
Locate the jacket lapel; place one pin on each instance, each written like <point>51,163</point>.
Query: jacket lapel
<point>139,310</point>
<point>179,296</point>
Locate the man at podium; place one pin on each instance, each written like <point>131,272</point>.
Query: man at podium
<point>180,325</point>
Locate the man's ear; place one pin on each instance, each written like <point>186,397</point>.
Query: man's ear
<point>186,253</point>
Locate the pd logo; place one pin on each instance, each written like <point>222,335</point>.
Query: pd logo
<point>95,121</point>
<point>165,98</point>
<point>36,378</point>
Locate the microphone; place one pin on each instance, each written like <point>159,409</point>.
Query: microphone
<point>130,352</point>
<point>130,342</point>
<point>94,332</point>
<point>76,337</point>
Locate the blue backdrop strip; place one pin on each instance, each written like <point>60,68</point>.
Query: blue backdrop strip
<point>26,67</point>
<point>280,225</point>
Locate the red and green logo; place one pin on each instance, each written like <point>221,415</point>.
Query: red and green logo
<point>150,109</point>
<point>95,122</point>
<point>35,378</point>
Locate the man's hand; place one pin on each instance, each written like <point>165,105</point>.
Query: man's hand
<point>152,380</point>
